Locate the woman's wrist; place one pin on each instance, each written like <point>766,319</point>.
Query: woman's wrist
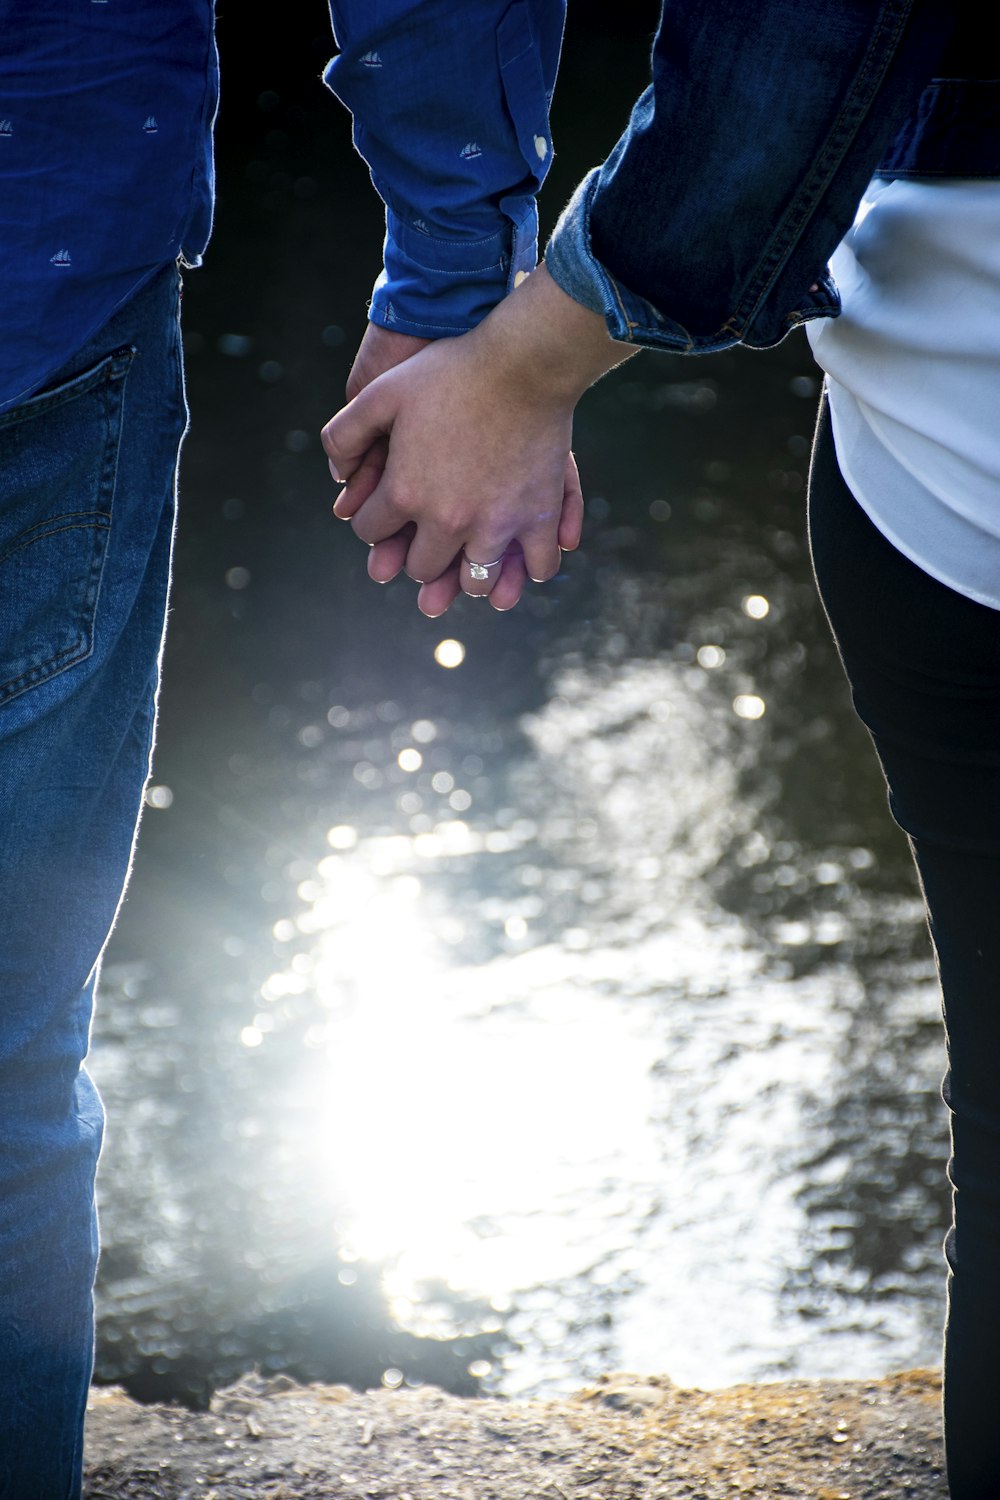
<point>546,344</point>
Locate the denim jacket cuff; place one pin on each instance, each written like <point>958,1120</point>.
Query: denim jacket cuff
<point>631,319</point>
<point>433,287</point>
<point>572,264</point>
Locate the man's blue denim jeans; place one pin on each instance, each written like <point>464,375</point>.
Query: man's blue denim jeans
<point>86,520</point>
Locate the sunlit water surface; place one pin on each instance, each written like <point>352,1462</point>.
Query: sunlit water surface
<point>567,1013</point>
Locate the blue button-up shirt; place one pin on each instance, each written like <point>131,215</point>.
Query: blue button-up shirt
<point>451,112</point>
<point>106,113</point>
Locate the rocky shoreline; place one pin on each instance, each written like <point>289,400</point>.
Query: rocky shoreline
<point>628,1437</point>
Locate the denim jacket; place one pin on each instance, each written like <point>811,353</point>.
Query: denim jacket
<point>712,220</point>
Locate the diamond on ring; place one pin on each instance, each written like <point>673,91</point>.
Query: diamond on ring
<point>481,571</point>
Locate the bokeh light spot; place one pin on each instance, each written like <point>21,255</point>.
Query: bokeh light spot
<point>755,606</point>
<point>342,837</point>
<point>236,345</point>
<point>748,706</point>
<point>449,653</point>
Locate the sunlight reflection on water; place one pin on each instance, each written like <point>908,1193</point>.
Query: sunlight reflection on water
<point>616,1097</point>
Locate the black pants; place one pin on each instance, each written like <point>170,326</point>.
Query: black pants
<point>924,667</point>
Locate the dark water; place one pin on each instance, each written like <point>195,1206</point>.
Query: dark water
<point>499,1023</point>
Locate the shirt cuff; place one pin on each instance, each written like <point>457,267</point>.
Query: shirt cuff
<point>436,288</point>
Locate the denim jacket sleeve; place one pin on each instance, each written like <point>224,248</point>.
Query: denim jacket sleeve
<point>712,220</point>
<point>451,112</point>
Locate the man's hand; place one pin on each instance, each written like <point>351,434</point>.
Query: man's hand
<point>478,465</point>
<point>381,349</point>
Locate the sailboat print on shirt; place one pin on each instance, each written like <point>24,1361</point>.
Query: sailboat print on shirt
<point>372,60</point>
<point>6,127</point>
<point>61,258</point>
<point>150,126</point>
<point>471,151</point>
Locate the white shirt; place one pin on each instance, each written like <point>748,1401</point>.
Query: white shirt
<point>913,372</point>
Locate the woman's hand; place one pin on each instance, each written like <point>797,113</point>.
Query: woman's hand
<point>478,467</point>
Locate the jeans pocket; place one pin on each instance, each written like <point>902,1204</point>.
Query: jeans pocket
<point>58,463</point>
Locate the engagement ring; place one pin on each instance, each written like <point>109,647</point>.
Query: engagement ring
<point>480,571</point>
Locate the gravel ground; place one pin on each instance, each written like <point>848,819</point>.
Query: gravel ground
<point>627,1438</point>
